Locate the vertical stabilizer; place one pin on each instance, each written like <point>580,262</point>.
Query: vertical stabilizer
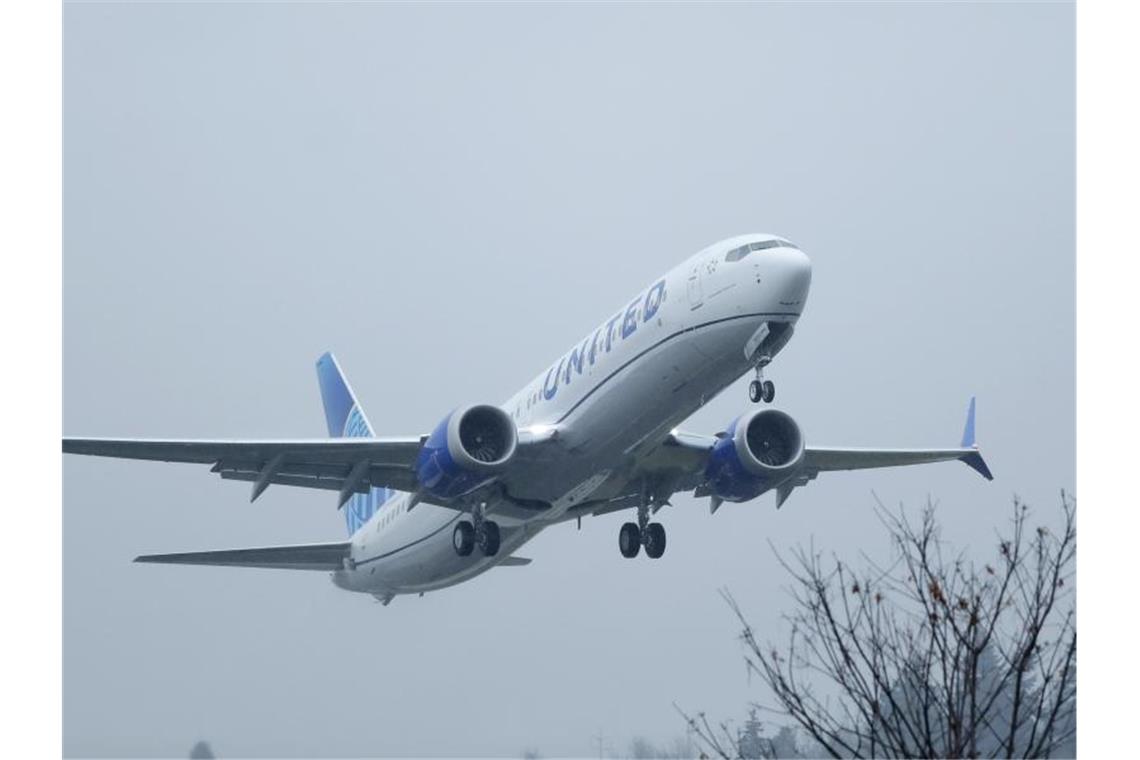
<point>343,414</point>
<point>346,419</point>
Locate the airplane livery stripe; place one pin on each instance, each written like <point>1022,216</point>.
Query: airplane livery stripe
<point>663,341</point>
<point>420,540</point>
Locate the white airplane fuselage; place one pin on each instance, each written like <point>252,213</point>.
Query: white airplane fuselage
<point>614,395</point>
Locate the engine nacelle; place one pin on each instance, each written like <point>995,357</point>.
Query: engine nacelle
<point>759,451</point>
<point>466,450</point>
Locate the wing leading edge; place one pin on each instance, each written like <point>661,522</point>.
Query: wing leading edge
<point>829,459</point>
<point>348,465</point>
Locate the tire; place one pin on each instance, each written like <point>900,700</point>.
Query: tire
<point>755,391</point>
<point>488,538</point>
<point>769,391</point>
<point>629,540</point>
<point>654,540</point>
<point>463,538</point>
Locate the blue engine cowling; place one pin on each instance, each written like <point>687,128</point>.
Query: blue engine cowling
<point>468,449</point>
<point>758,451</point>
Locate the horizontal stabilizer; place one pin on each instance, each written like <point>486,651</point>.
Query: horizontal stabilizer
<point>298,557</point>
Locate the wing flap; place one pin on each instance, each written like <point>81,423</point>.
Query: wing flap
<point>299,476</point>
<point>325,557</point>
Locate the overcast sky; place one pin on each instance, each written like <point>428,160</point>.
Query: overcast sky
<point>448,196</point>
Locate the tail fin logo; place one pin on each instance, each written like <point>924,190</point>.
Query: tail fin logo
<point>356,426</point>
<point>346,419</point>
<point>362,506</point>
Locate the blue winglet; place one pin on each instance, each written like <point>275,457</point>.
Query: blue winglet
<point>968,433</point>
<point>973,458</point>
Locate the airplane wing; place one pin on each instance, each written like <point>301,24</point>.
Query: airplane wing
<point>818,460</point>
<point>326,557</point>
<point>348,465</point>
<point>680,460</point>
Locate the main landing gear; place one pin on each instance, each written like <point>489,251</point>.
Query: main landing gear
<point>633,536</point>
<point>761,389</point>
<point>478,532</point>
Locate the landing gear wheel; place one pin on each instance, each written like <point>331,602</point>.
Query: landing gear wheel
<point>768,391</point>
<point>755,391</point>
<point>488,538</point>
<point>654,540</point>
<point>629,540</point>
<point>463,538</point>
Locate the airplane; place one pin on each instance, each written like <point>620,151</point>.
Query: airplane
<point>593,433</point>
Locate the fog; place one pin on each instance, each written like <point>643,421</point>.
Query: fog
<point>448,197</point>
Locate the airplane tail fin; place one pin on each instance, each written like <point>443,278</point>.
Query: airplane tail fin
<point>346,419</point>
<point>344,416</point>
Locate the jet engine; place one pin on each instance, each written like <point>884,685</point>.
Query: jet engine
<point>468,449</point>
<point>758,451</point>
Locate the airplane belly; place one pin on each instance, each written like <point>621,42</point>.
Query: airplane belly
<point>429,564</point>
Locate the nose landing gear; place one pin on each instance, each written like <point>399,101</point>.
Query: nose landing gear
<point>761,389</point>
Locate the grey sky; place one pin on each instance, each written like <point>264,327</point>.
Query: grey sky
<point>448,196</point>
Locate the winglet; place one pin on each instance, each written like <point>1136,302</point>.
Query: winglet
<point>968,432</point>
<point>973,459</point>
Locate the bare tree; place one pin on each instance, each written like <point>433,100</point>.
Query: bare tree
<point>933,655</point>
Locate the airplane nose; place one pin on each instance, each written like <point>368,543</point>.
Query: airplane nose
<point>790,276</point>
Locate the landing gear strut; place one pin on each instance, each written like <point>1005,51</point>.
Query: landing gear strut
<point>761,389</point>
<point>633,536</point>
<point>476,532</point>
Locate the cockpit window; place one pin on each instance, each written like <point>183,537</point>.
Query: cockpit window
<point>736,254</point>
